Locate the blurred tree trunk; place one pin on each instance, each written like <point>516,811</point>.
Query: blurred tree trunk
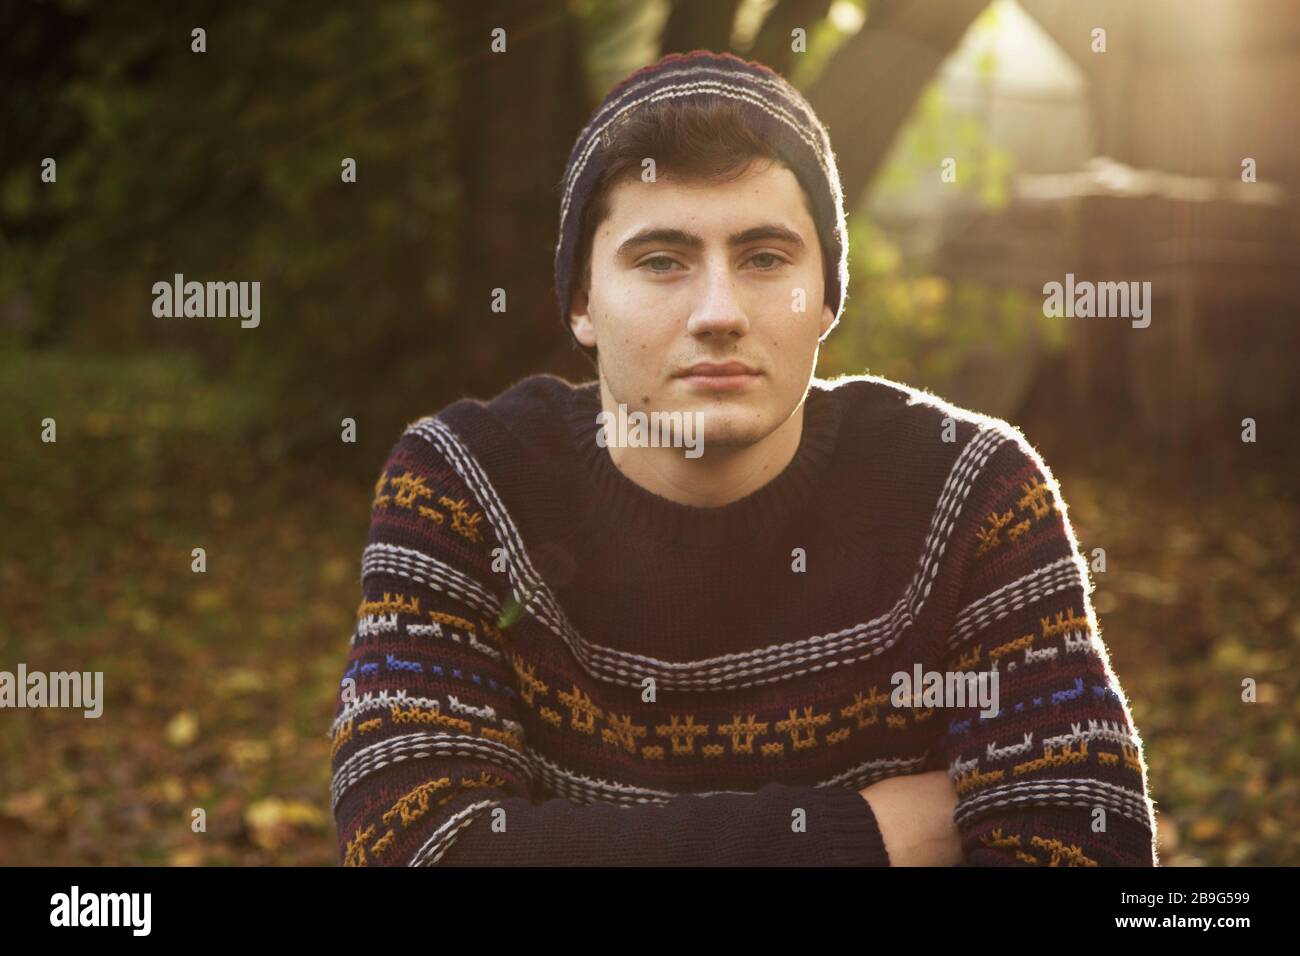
<point>516,115</point>
<point>772,45</point>
<point>868,89</point>
<point>692,25</point>
<point>871,83</point>
<point>38,58</point>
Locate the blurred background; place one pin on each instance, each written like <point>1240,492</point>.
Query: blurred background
<point>1122,165</point>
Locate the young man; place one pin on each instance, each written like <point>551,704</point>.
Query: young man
<point>816,623</point>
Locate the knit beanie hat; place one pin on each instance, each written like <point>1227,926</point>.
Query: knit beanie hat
<point>774,110</point>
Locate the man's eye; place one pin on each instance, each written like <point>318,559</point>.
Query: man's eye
<point>776,260</point>
<point>665,259</point>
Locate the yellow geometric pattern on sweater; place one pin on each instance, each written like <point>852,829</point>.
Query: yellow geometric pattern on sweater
<point>796,730</point>
<point>682,732</point>
<point>684,735</point>
<point>1037,500</point>
<point>408,490</point>
<point>1072,855</point>
<point>409,808</point>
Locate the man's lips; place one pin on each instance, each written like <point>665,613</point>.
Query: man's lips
<point>719,376</point>
<point>718,369</point>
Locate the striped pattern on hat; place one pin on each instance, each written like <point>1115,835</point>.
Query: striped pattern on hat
<point>775,111</point>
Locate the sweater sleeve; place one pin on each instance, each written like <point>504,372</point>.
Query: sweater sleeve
<point>429,757</point>
<point>1057,776</point>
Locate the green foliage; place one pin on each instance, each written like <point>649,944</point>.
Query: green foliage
<point>226,165</point>
<point>965,341</point>
<point>968,341</point>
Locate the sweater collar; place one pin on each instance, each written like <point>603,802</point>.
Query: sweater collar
<point>623,506</point>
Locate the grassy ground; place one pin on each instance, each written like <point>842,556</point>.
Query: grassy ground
<point>1198,595</point>
<point>219,686</point>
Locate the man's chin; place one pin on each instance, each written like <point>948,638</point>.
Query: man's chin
<point>729,427</point>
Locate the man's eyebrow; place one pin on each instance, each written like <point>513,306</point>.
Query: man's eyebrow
<point>689,240</point>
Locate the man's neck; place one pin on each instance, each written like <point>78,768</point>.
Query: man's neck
<point>719,476</point>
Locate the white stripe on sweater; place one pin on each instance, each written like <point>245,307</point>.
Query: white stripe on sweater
<point>1062,793</point>
<point>442,838</point>
<point>1049,579</point>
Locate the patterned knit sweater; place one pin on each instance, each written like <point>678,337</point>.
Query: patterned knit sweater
<point>552,665</point>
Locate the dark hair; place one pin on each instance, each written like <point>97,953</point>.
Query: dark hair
<point>692,139</point>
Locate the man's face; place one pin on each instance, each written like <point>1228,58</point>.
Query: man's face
<point>687,273</point>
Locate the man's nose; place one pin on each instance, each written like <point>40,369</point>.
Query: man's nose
<point>719,311</point>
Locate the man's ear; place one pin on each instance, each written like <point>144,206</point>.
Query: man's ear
<point>580,318</point>
<point>828,319</point>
